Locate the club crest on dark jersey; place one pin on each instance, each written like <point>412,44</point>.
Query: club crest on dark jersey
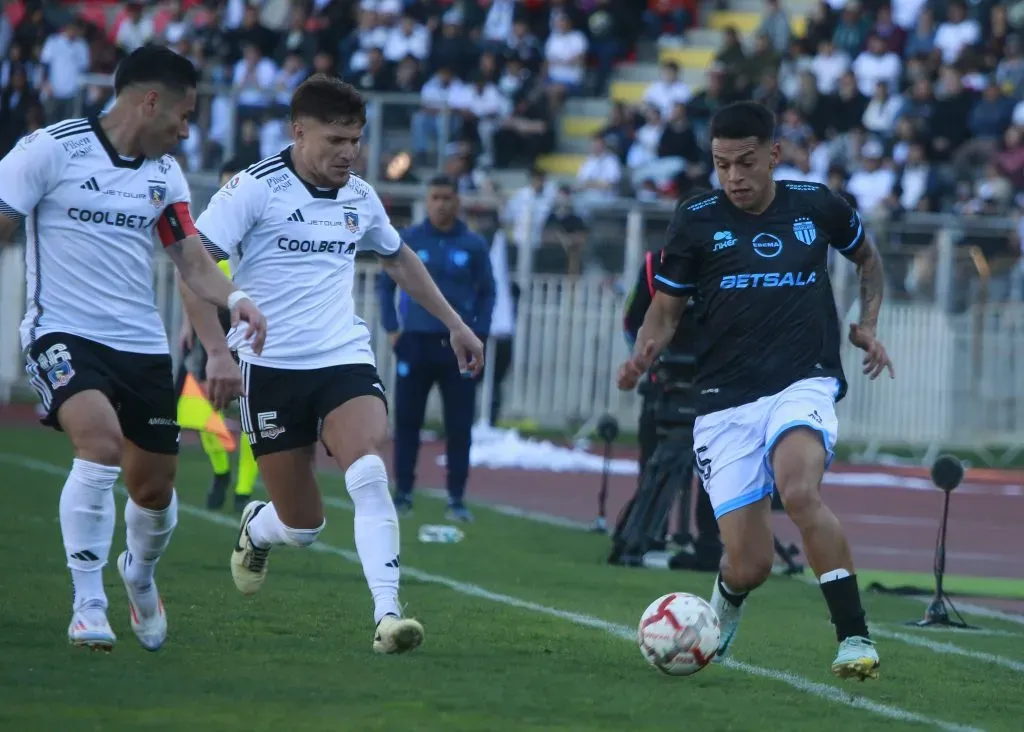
<point>804,231</point>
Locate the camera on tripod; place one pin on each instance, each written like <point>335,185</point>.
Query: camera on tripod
<point>669,403</point>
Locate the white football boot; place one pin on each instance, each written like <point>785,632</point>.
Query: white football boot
<point>89,629</point>
<point>857,659</point>
<point>397,635</point>
<point>249,562</point>
<point>149,621</point>
<point>729,621</point>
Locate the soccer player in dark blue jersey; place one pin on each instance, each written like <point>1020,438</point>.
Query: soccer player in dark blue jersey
<point>769,371</point>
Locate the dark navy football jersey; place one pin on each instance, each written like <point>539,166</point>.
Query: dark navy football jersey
<point>767,317</point>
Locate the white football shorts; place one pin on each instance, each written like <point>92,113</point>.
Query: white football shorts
<point>733,447</point>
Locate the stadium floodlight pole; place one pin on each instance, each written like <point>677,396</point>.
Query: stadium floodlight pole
<point>947,474</point>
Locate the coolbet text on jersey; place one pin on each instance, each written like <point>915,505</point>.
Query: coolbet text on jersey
<point>765,308</point>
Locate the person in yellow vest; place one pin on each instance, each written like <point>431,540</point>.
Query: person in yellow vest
<point>195,412</point>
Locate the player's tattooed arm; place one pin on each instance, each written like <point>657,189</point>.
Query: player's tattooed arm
<point>872,283</point>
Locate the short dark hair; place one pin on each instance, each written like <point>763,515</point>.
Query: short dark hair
<point>328,99</point>
<point>740,120</point>
<point>442,181</point>
<point>231,167</point>
<point>154,64</point>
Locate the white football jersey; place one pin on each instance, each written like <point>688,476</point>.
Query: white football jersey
<point>292,248</point>
<point>90,221</point>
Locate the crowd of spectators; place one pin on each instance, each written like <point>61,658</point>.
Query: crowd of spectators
<point>906,105</point>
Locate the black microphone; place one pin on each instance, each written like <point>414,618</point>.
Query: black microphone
<point>947,472</point>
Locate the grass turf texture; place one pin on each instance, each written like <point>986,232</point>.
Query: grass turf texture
<point>298,656</point>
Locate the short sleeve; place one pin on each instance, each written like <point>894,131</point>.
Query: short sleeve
<point>175,222</point>
<point>678,269</point>
<point>231,214</point>
<point>28,172</point>
<point>177,186</point>
<point>842,224</point>
<point>380,236</point>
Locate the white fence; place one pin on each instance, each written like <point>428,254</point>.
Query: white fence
<point>959,381</point>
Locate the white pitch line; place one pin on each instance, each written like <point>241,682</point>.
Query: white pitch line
<point>948,648</point>
<point>823,691</point>
<point>935,629</point>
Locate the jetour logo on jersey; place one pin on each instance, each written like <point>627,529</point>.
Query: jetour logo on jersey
<point>117,219</point>
<point>767,279</point>
<point>767,245</point>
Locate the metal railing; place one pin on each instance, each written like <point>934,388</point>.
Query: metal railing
<point>959,377</point>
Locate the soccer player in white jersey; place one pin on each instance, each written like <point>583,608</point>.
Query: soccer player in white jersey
<point>291,226</point>
<point>93,193</point>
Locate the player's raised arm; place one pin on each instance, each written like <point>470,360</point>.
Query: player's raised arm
<point>674,283</point>
<point>849,238</point>
<point>27,173</point>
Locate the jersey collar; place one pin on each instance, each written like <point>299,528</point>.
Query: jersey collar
<point>115,158</point>
<point>780,194</point>
<point>330,193</point>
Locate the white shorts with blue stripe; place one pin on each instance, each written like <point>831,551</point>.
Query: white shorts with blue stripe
<point>734,446</point>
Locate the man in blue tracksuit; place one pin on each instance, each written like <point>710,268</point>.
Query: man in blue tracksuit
<point>459,262</point>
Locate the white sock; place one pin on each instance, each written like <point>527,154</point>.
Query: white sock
<point>376,532</point>
<point>267,530</point>
<point>87,517</point>
<point>149,533</point>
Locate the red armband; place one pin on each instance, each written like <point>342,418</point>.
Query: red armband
<point>175,224</point>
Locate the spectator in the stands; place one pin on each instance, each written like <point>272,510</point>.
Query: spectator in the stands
<point>297,39</point>
<point>378,75</point>
<point>949,123</point>
<point>880,115</point>
<point>526,213</point>
<point>851,30</point>
<point>608,27</point>
<point>921,40</point>
<point>668,90</point>
<point>408,80</point>
<point>919,106</point>
<point>731,58</point>
<point>453,48</point>
<point>65,57</point>
<point>829,65</point>
<point>426,122</point>
<point>407,38</point>
<point>775,25</point>
<point>904,135</point>
<point>678,140</point>
<point>252,81</point>
<point>794,63</point>
<point>620,129</point>
<point>497,23</point>
<point>847,105</point>
<point>565,227</point>
<point>1009,159</point>
<point>819,26</point>
<point>17,100</point>
<point>877,63</point>
<point>598,178</point>
<point>798,167</point>
<point>354,48</point>
<point>873,182</point>
<point>769,94</point>
<point>956,33</point>
<point>884,27</point>
<point>479,108</point>
<point>527,132</point>
<point>524,46</point>
<point>252,31</point>
<point>667,17</point>
<point>565,53</point>
<point>134,29</point>
<point>987,122</point>
<point>793,129</point>
<point>918,179</point>
<point>514,78</point>
<point>1010,71</point>
<point>644,149</point>
<point>762,60</point>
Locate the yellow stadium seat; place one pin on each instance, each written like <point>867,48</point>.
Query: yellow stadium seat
<point>746,23</point>
<point>582,126</point>
<point>688,57</point>
<point>628,92</point>
<point>561,164</point>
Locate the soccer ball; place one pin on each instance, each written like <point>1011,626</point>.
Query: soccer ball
<point>678,634</point>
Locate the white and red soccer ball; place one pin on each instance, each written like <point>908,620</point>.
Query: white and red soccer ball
<point>679,634</point>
